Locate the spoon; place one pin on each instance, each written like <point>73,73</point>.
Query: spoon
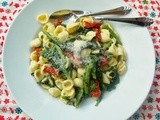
<point>67,14</point>
<point>141,21</point>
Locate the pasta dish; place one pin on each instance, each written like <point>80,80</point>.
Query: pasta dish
<point>77,60</point>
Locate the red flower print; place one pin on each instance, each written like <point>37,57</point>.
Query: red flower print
<point>158,100</point>
<point>140,7</point>
<point>156,47</point>
<point>158,76</point>
<point>23,118</point>
<point>6,101</point>
<point>155,83</point>
<point>146,7</point>
<point>156,91</point>
<point>149,116</point>
<point>152,2</point>
<point>1,10</point>
<point>4,18</point>
<point>16,5</point>
<point>1,24</point>
<point>155,28</point>
<point>4,109</point>
<point>149,27</point>
<point>144,107</point>
<point>10,118</point>
<point>1,117</point>
<point>153,34</point>
<point>145,14</point>
<point>8,11</point>
<point>150,107</point>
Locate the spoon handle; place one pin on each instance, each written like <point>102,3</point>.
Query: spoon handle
<point>142,21</point>
<point>123,10</point>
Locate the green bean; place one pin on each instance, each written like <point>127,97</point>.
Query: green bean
<point>86,78</point>
<point>79,96</point>
<point>52,39</point>
<point>107,45</point>
<point>63,59</point>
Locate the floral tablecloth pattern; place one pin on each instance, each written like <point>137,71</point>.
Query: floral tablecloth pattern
<point>150,110</point>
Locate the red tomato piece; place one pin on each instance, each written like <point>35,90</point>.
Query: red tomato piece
<point>38,52</point>
<point>58,22</point>
<point>103,61</point>
<point>92,24</point>
<point>51,70</point>
<point>96,92</point>
<point>98,33</point>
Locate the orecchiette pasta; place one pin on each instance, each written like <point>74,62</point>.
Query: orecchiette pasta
<point>48,44</point>
<point>59,83</point>
<point>58,30</point>
<point>33,56</point>
<point>35,43</point>
<point>120,50</point>
<point>106,80</point>
<point>63,35</point>
<point>68,93</point>
<point>89,36</point>
<point>49,27</point>
<point>45,86</point>
<point>85,19</point>
<point>72,27</point>
<point>67,64</point>
<point>112,61</point>
<point>113,49</point>
<point>107,77</point>
<point>43,18</point>
<point>121,67</point>
<point>42,36</point>
<point>74,74</point>
<point>78,82</point>
<point>105,34</point>
<point>47,81</point>
<point>54,91</point>
<point>80,72</point>
<point>42,60</point>
<point>33,66</point>
<point>67,84</point>
<point>38,76</point>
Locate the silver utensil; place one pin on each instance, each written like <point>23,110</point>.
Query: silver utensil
<point>66,14</point>
<point>141,21</point>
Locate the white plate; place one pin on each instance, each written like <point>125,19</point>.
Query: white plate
<point>119,104</point>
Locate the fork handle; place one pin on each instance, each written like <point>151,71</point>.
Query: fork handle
<point>142,21</point>
<point>118,11</point>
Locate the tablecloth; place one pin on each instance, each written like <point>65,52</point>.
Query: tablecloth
<point>150,110</point>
